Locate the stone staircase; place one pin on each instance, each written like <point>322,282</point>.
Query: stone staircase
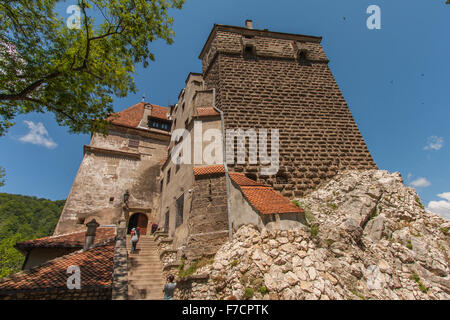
<point>145,276</point>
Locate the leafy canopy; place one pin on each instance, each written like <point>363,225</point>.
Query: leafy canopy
<point>2,177</point>
<point>23,218</point>
<point>45,66</point>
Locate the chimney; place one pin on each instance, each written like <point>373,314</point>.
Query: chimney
<point>90,234</point>
<point>249,24</point>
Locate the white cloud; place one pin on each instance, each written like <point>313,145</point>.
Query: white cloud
<point>434,143</point>
<point>38,135</point>
<point>441,207</point>
<point>420,182</point>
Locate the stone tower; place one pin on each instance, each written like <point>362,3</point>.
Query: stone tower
<point>128,158</point>
<point>266,79</point>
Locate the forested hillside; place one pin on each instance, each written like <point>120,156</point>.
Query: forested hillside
<point>23,218</point>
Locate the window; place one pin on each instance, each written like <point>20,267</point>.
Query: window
<point>166,222</point>
<point>168,176</point>
<point>132,143</point>
<point>180,209</point>
<point>159,124</point>
<point>80,220</point>
<point>303,58</point>
<point>249,52</point>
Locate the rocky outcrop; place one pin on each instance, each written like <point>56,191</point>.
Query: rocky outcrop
<point>368,237</point>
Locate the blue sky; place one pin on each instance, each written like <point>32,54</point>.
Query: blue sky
<point>395,81</point>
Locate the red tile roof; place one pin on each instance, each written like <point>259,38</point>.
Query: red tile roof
<point>207,112</point>
<point>207,170</point>
<point>69,240</point>
<point>242,180</point>
<point>96,266</point>
<point>263,198</point>
<point>132,116</point>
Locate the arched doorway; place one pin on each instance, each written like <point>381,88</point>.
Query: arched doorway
<point>138,221</point>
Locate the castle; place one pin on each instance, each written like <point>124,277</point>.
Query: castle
<point>252,82</point>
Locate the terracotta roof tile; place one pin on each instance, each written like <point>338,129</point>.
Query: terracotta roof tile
<point>206,170</point>
<point>132,116</point>
<point>268,201</point>
<point>69,240</point>
<point>96,266</point>
<point>263,198</point>
<point>242,180</point>
<point>206,112</point>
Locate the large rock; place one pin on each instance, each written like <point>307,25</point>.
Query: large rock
<point>374,241</point>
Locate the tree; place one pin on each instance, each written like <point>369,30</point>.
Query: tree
<point>2,177</point>
<point>72,68</point>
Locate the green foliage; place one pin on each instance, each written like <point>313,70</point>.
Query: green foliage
<point>444,230</point>
<point>2,177</point>
<point>332,206</point>
<point>23,218</point>
<point>419,203</point>
<point>314,229</point>
<point>297,203</point>
<point>409,245</point>
<point>263,290</point>
<point>359,295</point>
<point>74,72</point>
<point>204,261</point>
<point>416,278</point>
<point>234,263</point>
<point>249,292</point>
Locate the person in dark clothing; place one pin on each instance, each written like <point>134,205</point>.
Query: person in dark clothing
<point>154,227</point>
<point>169,288</point>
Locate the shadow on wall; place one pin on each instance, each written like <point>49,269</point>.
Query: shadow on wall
<point>146,184</point>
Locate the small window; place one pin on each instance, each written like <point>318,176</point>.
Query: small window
<point>249,52</point>
<point>168,176</point>
<point>158,124</point>
<point>132,143</point>
<point>111,199</point>
<point>303,58</point>
<point>80,221</point>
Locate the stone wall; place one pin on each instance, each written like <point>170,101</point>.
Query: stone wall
<point>208,220</point>
<point>318,135</point>
<point>368,237</point>
<point>109,162</point>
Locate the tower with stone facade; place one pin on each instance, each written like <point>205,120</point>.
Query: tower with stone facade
<point>266,79</point>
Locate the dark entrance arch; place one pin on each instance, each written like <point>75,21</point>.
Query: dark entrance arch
<point>138,221</point>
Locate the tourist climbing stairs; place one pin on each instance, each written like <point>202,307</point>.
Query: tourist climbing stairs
<point>145,277</point>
